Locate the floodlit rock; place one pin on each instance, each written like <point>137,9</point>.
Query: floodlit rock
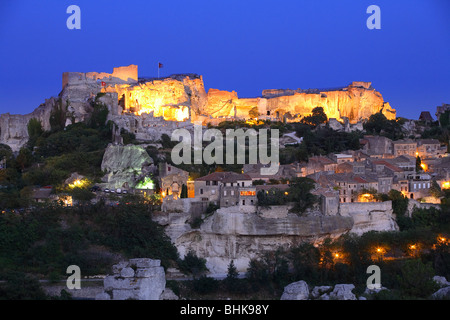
<point>231,235</point>
<point>127,272</point>
<point>443,293</point>
<point>320,290</point>
<point>296,291</point>
<point>103,296</point>
<point>132,282</point>
<point>441,281</point>
<point>168,294</point>
<point>124,164</point>
<point>144,263</point>
<point>343,292</point>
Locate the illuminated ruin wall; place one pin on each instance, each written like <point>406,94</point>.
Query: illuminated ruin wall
<point>150,107</point>
<point>183,98</point>
<point>171,98</point>
<point>358,101</point>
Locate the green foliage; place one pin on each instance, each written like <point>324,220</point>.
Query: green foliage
<point>416,279</point>
<point>231,281</point>
<point>300,194</point>
<point>24,159</point>
<point>317,116</point>
<point>271,197</point>
<point>20,286</point>
<point>378,124</point>
<point>99,115</point>
<point>128,228</point>
<point>325,140</point>
<point>166,142</point>
<point>418,164</point>
<point>253,113</point>
<point>58,116</point>
<point>76,138</point>
<point>205,285</point>
<point>37,242</point>
<point>82,194</point>
<point>191,264</point>
<point>211,208</point>
<point>184,191</point>
<point>34,131</point>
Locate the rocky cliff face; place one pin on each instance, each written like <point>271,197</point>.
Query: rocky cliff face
<point>125,165</point>
<point>228,235</point>
<point>13,127</point>
<point>182,98</point>
<point>231,235</point>
<point>356,102</point>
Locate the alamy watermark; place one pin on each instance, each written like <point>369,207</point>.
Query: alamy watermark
<point>374,280</point>
<point>74,280</point>
<point>258,148</point>
<point>374,21</point>
<point>74,20</point>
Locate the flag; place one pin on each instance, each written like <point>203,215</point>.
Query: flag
<point>103,84</point>
<point>160,65</point>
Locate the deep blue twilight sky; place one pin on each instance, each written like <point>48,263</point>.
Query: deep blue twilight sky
<point>241,45</point>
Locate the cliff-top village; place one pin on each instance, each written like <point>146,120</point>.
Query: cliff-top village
<point>232,211</point>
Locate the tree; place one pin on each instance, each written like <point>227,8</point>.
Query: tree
<point>231,281</point>
<point>58,116</point>
<point>300,194</point>
<point>184,191</point>
<point>24,158</point>
<point>191,264</point>
<point>34,131</point>
<point>317,116</point>
<point>416,279</point>
<point>418,164</point>
<point>253,113</point>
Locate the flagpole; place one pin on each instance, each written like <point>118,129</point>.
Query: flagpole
<point>158,70</point>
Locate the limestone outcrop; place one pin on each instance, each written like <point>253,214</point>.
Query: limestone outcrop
<point>230,235</point>
<point>144,105</point>
<point>369,216</point>
<point>13,127</point>
<point>296,291</point>
<point>136,279</point>
<point>300,291</point>
<point>357,101</point>
<point>125,165</point>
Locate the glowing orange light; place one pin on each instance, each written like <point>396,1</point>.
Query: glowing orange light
<point>336,255</point>
<point>424,166</point>
<point>413,247</point>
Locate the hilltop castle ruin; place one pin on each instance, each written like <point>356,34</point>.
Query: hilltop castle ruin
<point>149,107</point>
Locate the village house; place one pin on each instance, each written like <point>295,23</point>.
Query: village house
<point>319,164</point>
<point>172,180</point>
<point>285,172</point>
<point>376,146</point>
<point>430,148</point>
<point>404,147</point>
<point>226,189</point>
<point>419,185</point>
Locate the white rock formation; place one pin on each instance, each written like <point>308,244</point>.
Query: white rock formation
<point>343,292</point>
<point>320,290</point>
<point>231,235</point>
<point>296,291</point>
<point>136,279</point>
<point>124,165</point>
